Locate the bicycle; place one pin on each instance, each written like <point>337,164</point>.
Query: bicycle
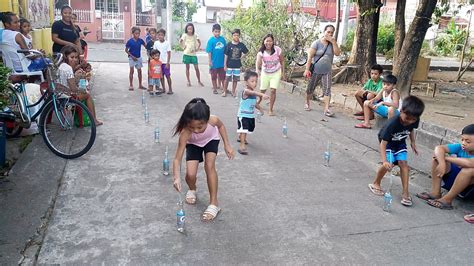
<point>66,124</point>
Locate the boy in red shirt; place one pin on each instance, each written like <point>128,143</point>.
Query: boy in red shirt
<point>154,73</point>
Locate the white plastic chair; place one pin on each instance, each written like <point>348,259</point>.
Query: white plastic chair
<point>17,62</point>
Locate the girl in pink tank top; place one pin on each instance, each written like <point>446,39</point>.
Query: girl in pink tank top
<point>199,133</point>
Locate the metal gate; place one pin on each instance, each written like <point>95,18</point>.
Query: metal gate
<point>112,26</point>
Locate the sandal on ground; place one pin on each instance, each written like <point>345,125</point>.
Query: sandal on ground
<point>169,92</point>
<point>469,218</point>
<point>223,95</point>
<point>191,197</point>
<point>362,126</point>
<point>360,118</point>
<point>376,191</point>
<point>142,88</point>
<point>99,123</point>
<point>188,84</point>
<point>437,203</point>
<point>201,84</point>
<point>215,91</point>
<point>246,143</point>
<point>407,201</point>
<point>271,114</point>
<point>210,213</point>
<point>426,196</point>
<point>130,88</point>
<point>361,113</point>
<point>306,107</point>
<point>328,113</point>
<point>243,151</point>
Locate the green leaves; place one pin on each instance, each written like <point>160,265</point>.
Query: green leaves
<point>4,82</point>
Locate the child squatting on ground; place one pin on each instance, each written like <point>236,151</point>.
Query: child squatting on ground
<point>246,113</point>
<point>387,103</point>
<point>199,133</point>
<point>459,168</point>
<point>393,148</point>
<point>133,50</point>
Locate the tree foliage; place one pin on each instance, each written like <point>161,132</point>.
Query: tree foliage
<point>184,10</point>
<point>288,28</point>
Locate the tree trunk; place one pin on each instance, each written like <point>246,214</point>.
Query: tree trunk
<point>466,42</point>
<point>338,18</point>
<point>406,63</point>
<point>399,28</point>
<point>363,51</point>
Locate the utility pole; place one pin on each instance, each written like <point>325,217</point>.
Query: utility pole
<point>159,22</point>
<point>345,22</point>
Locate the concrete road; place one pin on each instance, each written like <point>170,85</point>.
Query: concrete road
<point>280,205</point>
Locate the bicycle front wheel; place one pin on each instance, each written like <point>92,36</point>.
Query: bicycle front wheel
<point>68,130</point>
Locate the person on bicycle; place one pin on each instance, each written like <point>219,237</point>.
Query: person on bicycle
<point>68,80</point>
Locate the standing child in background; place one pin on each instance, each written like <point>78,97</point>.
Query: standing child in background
<point>147,35</point>
<point>190,43</point>
<point>392,142</point>
<point>371,88</point>
<point>149,46</point>
<point>25,29</point>
<point>215,50</point>
<point>246,113</point>
<point>234,52</point>
<point>165,55</point>
<point>154,77</point>
<point>133,50</point>
<point>199,133</point>
<point>387,102</point>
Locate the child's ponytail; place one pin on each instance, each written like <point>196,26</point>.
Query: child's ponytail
<point>196,109</point>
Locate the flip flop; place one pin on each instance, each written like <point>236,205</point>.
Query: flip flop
<point>189,84</point>
<point>328,113</point>
<point>437,203</point>
<point>169,92</point>
<point>130,88</point>
<point>246,143</point>
<point>271,114</point>
<point>361,118</point>
<point>191,197</point>
<point>362,126</point>
<point>426,196</point>
<point>215,91</point>
<point>306,107</point>
<point>361,113</point>
<point>210,213</point>
<point>469,218</point>
<point>243,151</point>
<point>407,202</point>
<point>376,191</point>
<point>142,88</point>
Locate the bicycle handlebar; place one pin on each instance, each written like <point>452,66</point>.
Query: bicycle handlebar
<point>58,57</point>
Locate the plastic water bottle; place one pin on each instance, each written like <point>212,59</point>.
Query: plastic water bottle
<point>258,115</point>
<point>387,197</point>
<point>285,129</point>
<point>82,84</point>
<point>180,217</point>
<point>157,134</point>
<point>147,115</point>
<point>327,154</point>
<point>143,99</point>
<point>166,163</point>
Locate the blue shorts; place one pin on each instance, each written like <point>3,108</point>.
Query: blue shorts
<point>398,152</point>
<point>39,64</point>
<point>382,110</point>
<point>154,82</point>
<point>137,64</point>
<point>450,177</point>
<point>232,74</point>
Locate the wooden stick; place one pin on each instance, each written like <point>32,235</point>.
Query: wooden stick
<point>440,113</point>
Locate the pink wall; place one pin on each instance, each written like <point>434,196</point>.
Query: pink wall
<point>81,5</point>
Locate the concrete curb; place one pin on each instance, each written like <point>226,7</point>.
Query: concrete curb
<point>428,134</point>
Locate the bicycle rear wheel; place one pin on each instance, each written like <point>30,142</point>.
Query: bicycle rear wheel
<point>70,132</point>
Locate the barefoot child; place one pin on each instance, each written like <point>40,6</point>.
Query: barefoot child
<point>246,114</point>
<point>165,55</point>
<point>133,50</point>
<point>456,170</point>
<point>387,102</point>
<point>234,52</point>
<point>190,43</point>
<point>154,75</point>
<point>199,133</point>
<point>392,142</point>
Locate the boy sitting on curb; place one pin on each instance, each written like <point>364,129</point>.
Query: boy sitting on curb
<point>459,168</point>
<point>371,88</point>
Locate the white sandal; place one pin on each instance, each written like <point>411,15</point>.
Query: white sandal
<point>191,197</point>
<point>211,213</point>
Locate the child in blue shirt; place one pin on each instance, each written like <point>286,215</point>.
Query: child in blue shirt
<point>246,113</point>
<point>393,148</point>
<point>215,50</point>
<point>133,50</point>
<point>458,168</point>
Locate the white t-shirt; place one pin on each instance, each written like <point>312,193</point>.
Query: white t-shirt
<point>65,72</point>
<point>28,41</point>
<point>8,37</point>
<point>164,48</point>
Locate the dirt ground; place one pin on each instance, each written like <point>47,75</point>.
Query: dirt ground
<point>453,105</point>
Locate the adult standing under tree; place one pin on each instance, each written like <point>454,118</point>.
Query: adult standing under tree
<point>64,33</point>
<point>321,54</point>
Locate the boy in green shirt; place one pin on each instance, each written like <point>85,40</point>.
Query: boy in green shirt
<point>370,89</point>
